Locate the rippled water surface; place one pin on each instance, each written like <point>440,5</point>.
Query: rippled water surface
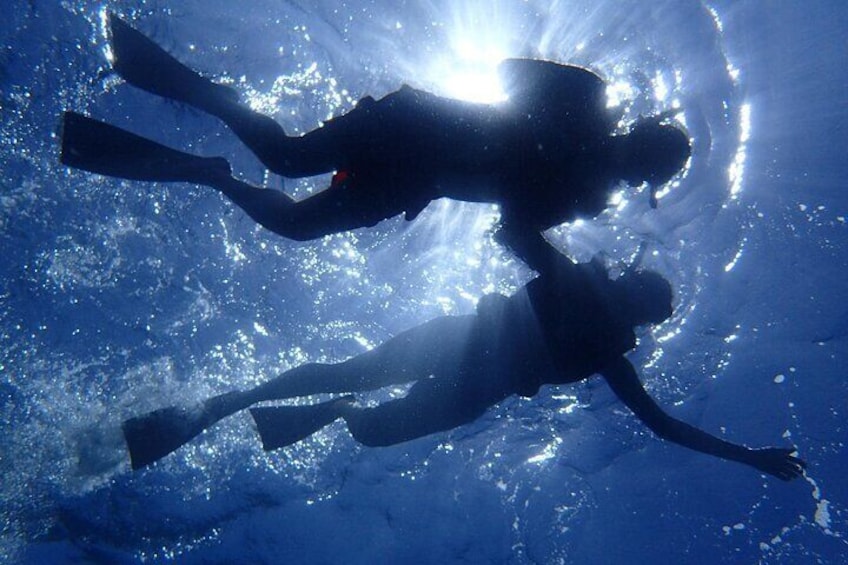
<point>121,297</point>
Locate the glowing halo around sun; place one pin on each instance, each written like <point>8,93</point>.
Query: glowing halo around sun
<point>479,35</point>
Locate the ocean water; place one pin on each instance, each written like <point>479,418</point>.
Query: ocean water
<point>117,297</point>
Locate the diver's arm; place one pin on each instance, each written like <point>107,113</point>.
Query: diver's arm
<point>624,381</point>
<point>534,249</point>
<point>531,247</point>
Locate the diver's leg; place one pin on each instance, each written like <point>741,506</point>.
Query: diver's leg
<point>104,149</point>
<point>152,436</point>
<point>145,65</point>
<point>434,405</point>
<point>280,426</point>
<point>435,347</point>
<point>333,210</point>
<point>431,406</point>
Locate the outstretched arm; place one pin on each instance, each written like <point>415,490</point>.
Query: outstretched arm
<point>624,381</point>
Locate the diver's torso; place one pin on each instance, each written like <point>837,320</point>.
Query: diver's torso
<point>543,168</point>
<point>558,333</point>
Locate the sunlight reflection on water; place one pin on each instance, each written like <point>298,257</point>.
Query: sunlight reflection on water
<point>199,301</point>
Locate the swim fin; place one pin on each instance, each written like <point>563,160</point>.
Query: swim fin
<point>280,426</point>
<point>104,149</point>
<point>153,436</point>
<point>142,63</point>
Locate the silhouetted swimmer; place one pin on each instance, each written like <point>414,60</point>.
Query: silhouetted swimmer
<point>566,325</point>
<point>547,155</point>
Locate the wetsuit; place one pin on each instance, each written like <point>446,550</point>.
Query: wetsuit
<point>541,155</point>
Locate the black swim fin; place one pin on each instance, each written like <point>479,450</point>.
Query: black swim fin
<point>280,426</point>
<point>104,149</point>
<point>142,63</point>
<point>153,436</point>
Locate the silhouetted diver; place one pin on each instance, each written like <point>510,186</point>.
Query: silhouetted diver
<point>566,325</point>
<point>547,155</point>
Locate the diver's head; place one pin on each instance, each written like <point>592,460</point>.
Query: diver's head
<point>653,152</point>
<point>645,297</point>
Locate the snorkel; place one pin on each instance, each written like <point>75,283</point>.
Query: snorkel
<point>652,197</point>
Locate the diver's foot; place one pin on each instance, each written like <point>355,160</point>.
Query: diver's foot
<point>279,426</point>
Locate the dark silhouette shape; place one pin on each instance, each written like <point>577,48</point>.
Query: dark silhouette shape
<point>565,326</point>
<point>546,156</point>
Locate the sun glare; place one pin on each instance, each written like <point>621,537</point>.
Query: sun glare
<point>479,37</point>
<point>470,72</point>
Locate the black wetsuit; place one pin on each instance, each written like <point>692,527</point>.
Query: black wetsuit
<point>541,155</point>
<point>546,155</point>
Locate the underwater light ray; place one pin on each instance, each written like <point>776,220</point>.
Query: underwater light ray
<point>478,36</point>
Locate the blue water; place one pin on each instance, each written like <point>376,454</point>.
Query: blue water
<point>118,298</point>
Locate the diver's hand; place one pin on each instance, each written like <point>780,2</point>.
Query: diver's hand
<point>777,461</point>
